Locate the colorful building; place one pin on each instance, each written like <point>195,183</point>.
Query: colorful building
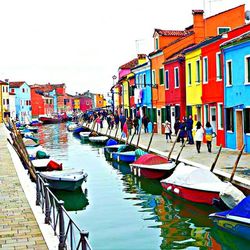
<point>12,105</point>
<point>22,93</point>
<point>4,100</point>
<point>236,55</point>
<point>100,101</point>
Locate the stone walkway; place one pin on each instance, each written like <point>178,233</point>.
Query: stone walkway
<point>18,227</point>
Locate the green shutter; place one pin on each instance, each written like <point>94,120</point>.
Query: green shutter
<point>161,75</point>
<point>163,115</point>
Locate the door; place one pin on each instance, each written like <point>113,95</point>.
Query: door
<point>213,118</point>
<point>172,108</point>
<point>159,121</point>
<point>239,129</point>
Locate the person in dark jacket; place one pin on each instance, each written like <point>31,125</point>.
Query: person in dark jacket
<point>182,128</point>
<point>145,122</point>
<point>189,127</point>
<point>136,125</point>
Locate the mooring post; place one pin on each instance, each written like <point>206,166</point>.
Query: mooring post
<point>61,245</point>
<point>37,188</point>
<point>47,210</point>
<point>84,235</point>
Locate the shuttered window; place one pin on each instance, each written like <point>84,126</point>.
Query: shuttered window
<point>247,120</point>
<point>161,76</point>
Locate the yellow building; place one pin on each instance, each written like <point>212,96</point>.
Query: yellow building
<point>76,103</point>
<point>194,83</point>
<point>4,99</point>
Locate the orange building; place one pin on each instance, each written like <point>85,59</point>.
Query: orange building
<point>169,42</point>
<point>100,101</point>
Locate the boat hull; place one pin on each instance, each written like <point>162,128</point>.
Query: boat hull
<point>234,227</point>
<point>194,195</point>
<point>151,173</point>
<point>48,120</point>
<point>65,185</point>
<point>123,157</point>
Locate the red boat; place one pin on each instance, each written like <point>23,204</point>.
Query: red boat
<point>194,184</point>
<point>50,119</point>
<point>152,166</point>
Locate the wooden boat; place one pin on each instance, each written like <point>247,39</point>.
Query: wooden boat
<point>109,150</point>
<point>50,119</point>
<point>78,129</point>
<point>32,129</point>
<point>72,126</point>
<point>37,152</point>
<point>65,180</point>
<point>46,165</point>
<point>98,139</point>
<point>194,184</point>
<point>236,220</point>
<point>152,166</point>
<point>84,135</point>
<point>128,156</point>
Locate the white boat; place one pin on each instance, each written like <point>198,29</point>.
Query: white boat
<point>194,184</point>
<point>85,135</point>
<point>98,139</point>
<point>32,151</point>
<point>29,142</point>
<point>70,179</point>
<point>72,126</point>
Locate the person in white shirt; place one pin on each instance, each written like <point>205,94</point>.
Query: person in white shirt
<point>199,132</point>
<point>168,131</point>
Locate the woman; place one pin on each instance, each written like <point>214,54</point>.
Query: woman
<point>209,131</point>
<point>199,131</point>
<point>168,131</point>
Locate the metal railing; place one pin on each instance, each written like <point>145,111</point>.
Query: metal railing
<point>69,234</point>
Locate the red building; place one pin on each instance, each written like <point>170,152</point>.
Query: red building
<point>213,84</point>
<point>175,96</point>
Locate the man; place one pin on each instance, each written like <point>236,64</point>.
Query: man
<point>189,127</point>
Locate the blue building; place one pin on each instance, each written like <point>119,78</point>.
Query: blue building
<point>236,54</point>
<point>22,100</point>
<point>143,89</point>
<point>54,95</point>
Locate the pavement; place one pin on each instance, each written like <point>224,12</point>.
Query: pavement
<point>18,228</point>
<point>189,155</point>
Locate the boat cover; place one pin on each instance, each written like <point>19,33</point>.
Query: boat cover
<point>139,152</point>
<point>111,142</point>
<point>193,177</point>
<point>151,159</point>
<point>241,210</point>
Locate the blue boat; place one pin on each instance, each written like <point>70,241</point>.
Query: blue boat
<point>128,156</point>
<point>79,129</point>
<point>236,220</point>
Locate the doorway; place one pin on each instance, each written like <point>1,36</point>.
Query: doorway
<point>239,129</point>
<point>172,117</point>
<point>159,121</point>
<point>213,118</point>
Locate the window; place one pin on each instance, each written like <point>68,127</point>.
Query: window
<point>156,43</point>
<point>8,101</point>
<point>23,90</point>
<point>12,90</point>
<point>3,101</point>
<point>221,30</point>
<point>3,89</point>
<point>189,74</point>
<point>176,77</point>
<point>137,80</point>
<point>161,76</point>
<point>218,66</point>
<point>144,80</point>
<point>167,79</point>
<point>205,70</point>
<point>27,103</point>
<point>220,116</point>
<point>189,110</point>
<point>7,89</point>
<point>247,69</point>
<point>140,80</point>
<point>229,73</point>
<point>198,73</point>
<point>230,119</point>
<point>153,78</point>
<point>247,120</point>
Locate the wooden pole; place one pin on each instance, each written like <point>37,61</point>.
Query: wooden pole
<point>171,150</point>
<point>150,141</point>
<point>178,156</point>
<point>216,159</point>
<point>236,163</point>
<point>132,138</point>
<point>139,135</point>
<point>116,131</point>
<point>107,131</point>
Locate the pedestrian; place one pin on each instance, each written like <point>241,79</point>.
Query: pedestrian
<point>129,124</point>
<point>189,127</point>
<point>168,131</point>
<point>122,119</point>
<point>209,132</point>
<point>199,132</point>
<point>136,125</point>
<point>116,118</point>
<point>176,128</point>
<point>145,122</point>
<point>109,120</point>
<point>182,128</point>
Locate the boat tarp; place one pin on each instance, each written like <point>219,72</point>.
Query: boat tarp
<point>151,159</point>
<point>139,152</point>
<point>241,210</point>
<point>111,142</point>
<point>185,175</point>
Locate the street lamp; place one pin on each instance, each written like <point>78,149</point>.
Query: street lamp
<point>114,77</point>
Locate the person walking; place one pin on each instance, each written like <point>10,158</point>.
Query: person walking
<point>182,134</point>
<point>116,119</point>
<point>136,125</point>
<point>122,119</point>
<point>189,126</point>
<point>168,131</point>
<point>199,132</point>
<point>145,122</point>
<point>209,132</point>
<point>129,124</point>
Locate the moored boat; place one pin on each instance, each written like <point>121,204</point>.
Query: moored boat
<point>46,165</point>
<point>84,135</point>
<point>236,220</point>
<point>109,150</point>
<point>50,119</point>
<point>194,184</point>
<point>98,139</point>
<point>128,156</point>
<point>152,166</point>
<point>65,180</point>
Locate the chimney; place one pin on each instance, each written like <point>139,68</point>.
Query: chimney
<point>6,80</point>
<point>141,58</point>
<point>199,26</point>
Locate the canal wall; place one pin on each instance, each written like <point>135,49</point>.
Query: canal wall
<point>23,224</point>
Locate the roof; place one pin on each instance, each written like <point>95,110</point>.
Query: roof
<point>197,11</point>
<point>3,83</point>
<point>171,32</point>
<point>16,84</point>
<point>129,64</point>
<point>243,37</point>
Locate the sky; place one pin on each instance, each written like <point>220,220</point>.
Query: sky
<point>82,43</point>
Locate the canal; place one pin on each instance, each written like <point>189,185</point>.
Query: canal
<point>121,211</point>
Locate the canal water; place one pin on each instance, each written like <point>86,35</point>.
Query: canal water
<point>121,211</point>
